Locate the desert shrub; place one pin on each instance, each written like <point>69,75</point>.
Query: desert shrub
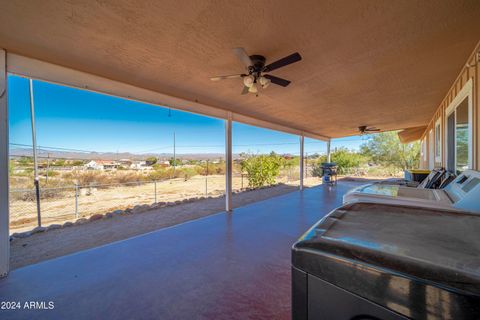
<point>160,174</point>
<point>52,173</point>
<point>261,170</point>
<point>77,163</point>
<point>31,195</point>
<point>213,168</point>
<point>187,173</point>
<point>347,162</point>
<point>127,177</point>
<point>91,178</point>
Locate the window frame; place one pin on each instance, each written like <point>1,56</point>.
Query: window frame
<point>438,140</point>
<point>464,93</point>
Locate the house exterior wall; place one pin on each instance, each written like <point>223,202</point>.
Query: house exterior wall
<point>471,71</point>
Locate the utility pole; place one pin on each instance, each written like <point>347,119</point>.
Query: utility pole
<point>34,145</point>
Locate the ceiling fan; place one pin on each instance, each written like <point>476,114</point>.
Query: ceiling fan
<point>257,71</point>
<point>366,129</point>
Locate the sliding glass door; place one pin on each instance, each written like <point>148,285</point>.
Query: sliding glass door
<point>459,138</point>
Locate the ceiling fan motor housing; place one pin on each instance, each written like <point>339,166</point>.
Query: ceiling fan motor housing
<point>258,62</point>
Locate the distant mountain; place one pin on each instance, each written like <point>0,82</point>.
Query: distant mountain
<point>44,154</point>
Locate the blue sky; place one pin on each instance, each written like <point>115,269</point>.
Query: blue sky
<point>79,119</point>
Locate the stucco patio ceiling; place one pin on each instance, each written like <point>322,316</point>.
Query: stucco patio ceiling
<point>379,63</point>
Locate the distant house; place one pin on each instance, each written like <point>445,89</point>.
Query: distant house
<point>140,165</point>
<point>164,163</point>
<point>125,163</point>
<point>102,165</point>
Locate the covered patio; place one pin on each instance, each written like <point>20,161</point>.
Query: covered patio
<point>225,266</point>
<point>369,64</point>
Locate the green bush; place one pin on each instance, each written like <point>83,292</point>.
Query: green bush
<point>261,170</point>
<point>345,159</point>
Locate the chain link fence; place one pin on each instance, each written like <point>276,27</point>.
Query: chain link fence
<point>61,204</point>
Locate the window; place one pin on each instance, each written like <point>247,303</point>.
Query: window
<point>431,158</point>
<point>438,141</point>
<point>423,149</point>
<point>459,131</point>
<point>461,136</point>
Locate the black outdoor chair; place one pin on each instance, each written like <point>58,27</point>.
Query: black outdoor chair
<point>433,180</point>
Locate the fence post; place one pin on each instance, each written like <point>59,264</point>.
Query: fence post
<point>76,200</point>
<point>155,184</point>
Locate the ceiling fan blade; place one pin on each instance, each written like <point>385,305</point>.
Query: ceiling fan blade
<point>277,80</point>
<point>243,56</point>
<point>245,90</point>
<point>232,76</point>
<point>283,62</point>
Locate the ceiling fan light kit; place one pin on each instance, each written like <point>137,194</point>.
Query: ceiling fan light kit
<point>248,81</point>
<point>253,88</point>
<point>257,71</point>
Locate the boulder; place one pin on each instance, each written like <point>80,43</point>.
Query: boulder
<point>21,235</point>
<point>54,226</point>
<point>97,216</point>
<point>81,221</point>
<point>38,230</point>
<point>117,212</point>
<point>68,224</point>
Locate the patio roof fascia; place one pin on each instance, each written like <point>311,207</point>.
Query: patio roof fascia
<point>45,71</point>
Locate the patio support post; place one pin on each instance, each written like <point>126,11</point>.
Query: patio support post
<point>328,151</point>
<point>4,188</point>
<point>301,161</point>
<point>228,163</point>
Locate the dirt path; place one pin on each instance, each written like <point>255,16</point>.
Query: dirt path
<point>59,242</point>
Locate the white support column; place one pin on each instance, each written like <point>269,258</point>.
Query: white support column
<point>4,188</point>
<point>228,163</point>
<point>301,161</point>
<point>329,158</point>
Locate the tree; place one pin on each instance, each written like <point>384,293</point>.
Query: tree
<point>344,158</point>
<point>150,161</point>
<point>176,162</point>
<point>386,149</point>
<point>261,170</point>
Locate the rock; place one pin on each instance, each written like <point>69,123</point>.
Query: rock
<point>97,216</point>
<point>81,221</point>
<point>68,224</point>
<point>117,212</point>
<point>140,208</point>
<point>21,235</point>
<point>38,230</point>
<point>109,215</point>
<point>178,202</point>
<point>54,226</point>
